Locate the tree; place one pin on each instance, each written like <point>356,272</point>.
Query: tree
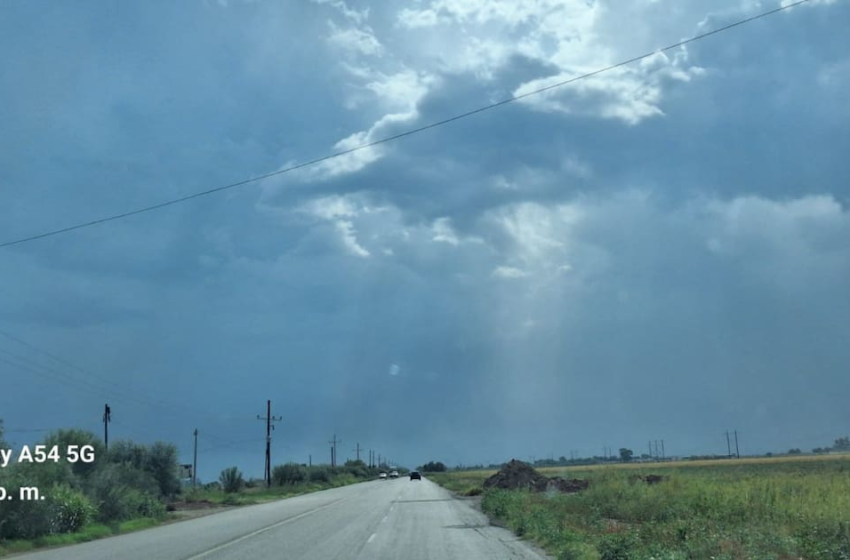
<point>3,444</point>
<point>626,454</point>
<point>80,438</point>
<point>794,451</point>
<point>842,444</point>
<point>162,464</point>
<point>432,466</point>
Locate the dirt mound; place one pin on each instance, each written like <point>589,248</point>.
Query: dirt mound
<point>647,478</point>
<point>519,475</point>
<point>567,486</point>
<point>516,474</point>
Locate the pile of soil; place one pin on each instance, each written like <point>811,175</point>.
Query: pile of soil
<point>568,486</point>
<point>648,478</point>
<point>518,475</point>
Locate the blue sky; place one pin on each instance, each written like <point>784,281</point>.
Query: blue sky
<point>659,251</point>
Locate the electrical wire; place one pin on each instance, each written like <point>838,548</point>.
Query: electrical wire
<point>396,136</point>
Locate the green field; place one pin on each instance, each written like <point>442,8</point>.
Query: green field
<point>739,509</point>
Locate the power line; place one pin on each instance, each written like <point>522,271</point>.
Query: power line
<point>108,388</point>
<point>399,135</point>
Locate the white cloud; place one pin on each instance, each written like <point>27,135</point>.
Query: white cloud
<point>349,238</point>
<point>443,232</point>
<point>509,272</point>
<point>353,40</point>
<point>395,370</point>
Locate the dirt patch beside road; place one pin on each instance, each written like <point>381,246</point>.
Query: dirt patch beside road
<point>518,475</point>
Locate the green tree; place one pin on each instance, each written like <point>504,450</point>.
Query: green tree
<point>163,466</point>
<point>79,438</point>
<point>433,466</point>
<point>842,444</point>
<point>626,454</point>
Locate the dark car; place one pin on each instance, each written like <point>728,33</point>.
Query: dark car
<point>414,475</point>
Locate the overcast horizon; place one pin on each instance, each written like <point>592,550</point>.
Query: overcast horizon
<point>656,252</point>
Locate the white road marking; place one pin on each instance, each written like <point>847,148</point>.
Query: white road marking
<point>264,529</point>
<point>372,537</point>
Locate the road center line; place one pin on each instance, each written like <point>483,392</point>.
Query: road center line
<point>372,537</point>
<point>264,529</point>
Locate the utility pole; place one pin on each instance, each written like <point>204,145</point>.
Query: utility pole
<point>656,449</point>
<point>333,443</point>
<point>663,455</point>
<point>650,450</point>
<point>737,452</point>
<point>269,427</point>
<point>107,418</point>
<point>310,460</point>
<point>357,450</point>
<point>195,462</point>
<point>728,445</point>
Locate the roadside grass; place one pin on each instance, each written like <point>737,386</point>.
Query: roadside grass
<point>740,509</point>
<point>262,494</point>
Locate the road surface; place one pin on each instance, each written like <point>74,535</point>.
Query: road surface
<point>391,519</point>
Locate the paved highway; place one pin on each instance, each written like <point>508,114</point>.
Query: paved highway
<point>392,519</point>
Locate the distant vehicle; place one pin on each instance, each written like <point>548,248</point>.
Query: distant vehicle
<point>382,475</point>
<point>393,474</point>
<point>414,475</point>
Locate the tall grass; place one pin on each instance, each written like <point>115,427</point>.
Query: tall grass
<point>734,510</point>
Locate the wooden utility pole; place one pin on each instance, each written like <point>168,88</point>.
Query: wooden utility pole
<point>333,443</point>
<point>107,418</point>
<point>269,427</point>
<point>195,462</point>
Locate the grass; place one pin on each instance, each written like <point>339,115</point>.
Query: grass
<point>262,494</point>
<point>777,508</point>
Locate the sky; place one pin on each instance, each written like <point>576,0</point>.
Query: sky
<point>656,252</point>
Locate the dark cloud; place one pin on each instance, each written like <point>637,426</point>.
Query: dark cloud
<point>520,282</point>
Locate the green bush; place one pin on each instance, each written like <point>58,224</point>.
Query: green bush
<point>231,480</point>
<point>320,474</point>
<point>290,473</point>
<point>121,492</point>
<point>24,519</point>
<point>69,510</point>
<point>79,438</point>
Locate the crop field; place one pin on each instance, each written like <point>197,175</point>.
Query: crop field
<point>760,508</point>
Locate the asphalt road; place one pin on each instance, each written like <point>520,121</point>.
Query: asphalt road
<point>392,519</point>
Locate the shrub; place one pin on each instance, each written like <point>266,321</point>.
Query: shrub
<point>70,510</point>
<point>290,473</point>
<point>163,466</point>
<point>121,492</point>
<point>358,471</point>
<point>80,438</point>
<point>320,474</point>
<point>231,480</point>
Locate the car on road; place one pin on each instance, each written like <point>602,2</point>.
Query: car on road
<point>393,474</point>
<point>382,476</point>
<point>414,475</point>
